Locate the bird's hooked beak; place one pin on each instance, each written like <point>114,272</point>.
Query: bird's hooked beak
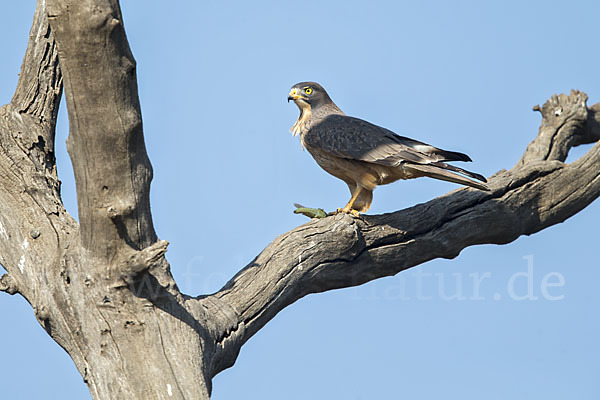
<point>296,96</point>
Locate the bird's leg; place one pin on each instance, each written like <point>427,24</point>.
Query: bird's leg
<point>348,208</point>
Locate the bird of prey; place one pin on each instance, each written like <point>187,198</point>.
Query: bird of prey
<point>365,155</point>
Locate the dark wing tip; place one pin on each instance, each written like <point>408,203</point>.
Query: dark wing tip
<point>452,155</point>
<point>456,156</point>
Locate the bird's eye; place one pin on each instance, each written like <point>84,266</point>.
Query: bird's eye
<point>308,90</point>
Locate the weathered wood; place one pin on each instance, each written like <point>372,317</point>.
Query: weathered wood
<point>103,290</point>
<point>106,144</point>
<point>130,333</point>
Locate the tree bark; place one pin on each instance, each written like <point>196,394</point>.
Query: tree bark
<point>102,288</point>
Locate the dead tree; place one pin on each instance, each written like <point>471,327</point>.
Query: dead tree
<point>102,288</point>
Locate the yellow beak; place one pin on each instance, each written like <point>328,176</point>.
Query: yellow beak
<point>293,95</point>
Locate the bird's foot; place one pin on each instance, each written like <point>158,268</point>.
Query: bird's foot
<point>309,212</point>
<point>346,210</point>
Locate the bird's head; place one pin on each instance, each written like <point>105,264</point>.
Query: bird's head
<point>308,95</point>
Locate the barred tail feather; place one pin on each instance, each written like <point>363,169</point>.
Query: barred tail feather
<point>437,171</point>
<point>460,171</point>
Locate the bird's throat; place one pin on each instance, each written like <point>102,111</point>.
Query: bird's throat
<point>302,125</point>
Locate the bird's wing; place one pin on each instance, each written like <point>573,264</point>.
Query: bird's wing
<point>356,139</point>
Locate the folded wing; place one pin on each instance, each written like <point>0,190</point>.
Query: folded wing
<point>356,139</point>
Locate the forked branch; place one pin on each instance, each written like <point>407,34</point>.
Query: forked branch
<point>130,332</point>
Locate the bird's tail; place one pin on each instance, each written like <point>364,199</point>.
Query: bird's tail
<point>449,173</point>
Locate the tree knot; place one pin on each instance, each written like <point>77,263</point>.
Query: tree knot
<point>8,284</point>
<point>134,262</point>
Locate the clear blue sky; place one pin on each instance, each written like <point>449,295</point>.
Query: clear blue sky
<point>463,75</point>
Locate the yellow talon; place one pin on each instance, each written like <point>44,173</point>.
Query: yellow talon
<point>347,211</point>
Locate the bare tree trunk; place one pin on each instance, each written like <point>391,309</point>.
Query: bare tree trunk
<point>102,288</point>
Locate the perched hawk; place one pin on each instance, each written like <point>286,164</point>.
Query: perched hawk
<point>365,155</point>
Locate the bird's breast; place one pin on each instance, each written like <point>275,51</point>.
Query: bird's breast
<point>302,125</point>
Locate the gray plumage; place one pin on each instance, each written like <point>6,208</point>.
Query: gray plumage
<point>365,155</point>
